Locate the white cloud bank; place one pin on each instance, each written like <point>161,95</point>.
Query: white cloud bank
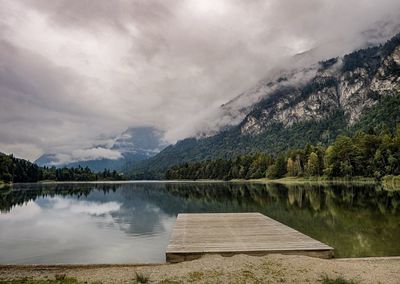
<point>86,154</point>
<point>75,73</point>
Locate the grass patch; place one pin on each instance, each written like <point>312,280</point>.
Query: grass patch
<point>141,278</point>
<point>167,281</point>
<point>338,280</point>
<point>60,277</point>
<point>248,276</point>
<point>195,276</point>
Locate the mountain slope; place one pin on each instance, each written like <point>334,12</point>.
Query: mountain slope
<point>336,100</point>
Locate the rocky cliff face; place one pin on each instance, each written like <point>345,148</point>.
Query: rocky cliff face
<point>239,107</point>
<point>349,84</point>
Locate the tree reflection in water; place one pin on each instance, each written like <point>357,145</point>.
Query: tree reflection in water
<point>355,220</point>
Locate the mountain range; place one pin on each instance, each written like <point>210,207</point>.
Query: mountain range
<point>299,106</point>
<point>358,91</point>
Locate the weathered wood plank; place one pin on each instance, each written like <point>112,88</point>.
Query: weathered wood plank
<point>230,233</point>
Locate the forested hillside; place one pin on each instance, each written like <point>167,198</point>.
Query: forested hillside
<point>383,115</point>
<point>375,153</point>
<point>18,170</point>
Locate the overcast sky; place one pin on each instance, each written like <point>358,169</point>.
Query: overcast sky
<point>75,73</point>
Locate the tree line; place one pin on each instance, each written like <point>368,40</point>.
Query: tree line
<point>19,170</point>
<point>375,153</point>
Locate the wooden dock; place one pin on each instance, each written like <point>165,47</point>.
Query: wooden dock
<point>233,233</point>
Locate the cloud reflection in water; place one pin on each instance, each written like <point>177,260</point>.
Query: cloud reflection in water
<point>66,229</point>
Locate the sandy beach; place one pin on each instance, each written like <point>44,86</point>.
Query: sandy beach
<point>218,269</point>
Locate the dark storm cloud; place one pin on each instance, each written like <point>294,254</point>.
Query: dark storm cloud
<point>75,71</point>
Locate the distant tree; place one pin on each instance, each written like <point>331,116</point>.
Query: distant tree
<point>278,169</point>
<point>6,168</point>
<point>272,172</point>
<point>294,164</point>
<point>331,166</point>
<point>297,165</point>
<point>313,165</point>
<point>397,131</point>
<point>340,157</point>
<point>291,167</point>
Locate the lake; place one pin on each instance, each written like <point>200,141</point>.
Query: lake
<point>132,222</point>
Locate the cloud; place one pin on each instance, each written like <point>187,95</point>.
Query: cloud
<point>84,207</point>
<point>25,212</point>
<point>96,153</point>
<point>75,73</point>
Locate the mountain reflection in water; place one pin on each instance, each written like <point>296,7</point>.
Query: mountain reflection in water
<point>132,222</point>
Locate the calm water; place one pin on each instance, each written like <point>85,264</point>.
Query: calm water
<point>120,223</point>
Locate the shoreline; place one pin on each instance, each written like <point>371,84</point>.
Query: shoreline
<point>50,266</point>
<point>385,184</point>
<point>314,180</point>
<point>273,268</point>
<point>285,180</point>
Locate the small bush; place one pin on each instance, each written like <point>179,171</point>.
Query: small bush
<point>141,278</point>
<point>60,277</point>
<point>339,280</point>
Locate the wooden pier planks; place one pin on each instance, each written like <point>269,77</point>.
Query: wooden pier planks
<point>232,233</point>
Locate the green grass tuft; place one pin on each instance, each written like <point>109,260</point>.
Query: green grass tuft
<point>60,277</point>
<point>339,280</point>
<point>167,281</point>
<point>141,278</point>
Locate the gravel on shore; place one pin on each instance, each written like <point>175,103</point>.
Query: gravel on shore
<point>218,269</point>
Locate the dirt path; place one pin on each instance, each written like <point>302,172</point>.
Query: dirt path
<point>217,269</point>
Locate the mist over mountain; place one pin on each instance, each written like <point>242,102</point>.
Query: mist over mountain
<point>135,144</point>
<point>76,73</point>
<point>310,105</point>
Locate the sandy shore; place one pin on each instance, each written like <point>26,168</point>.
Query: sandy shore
<point>218,269</point>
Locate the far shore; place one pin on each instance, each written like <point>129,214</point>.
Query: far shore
<point>388,183</point>
<point>285,180</point>
<point>317,180</point>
